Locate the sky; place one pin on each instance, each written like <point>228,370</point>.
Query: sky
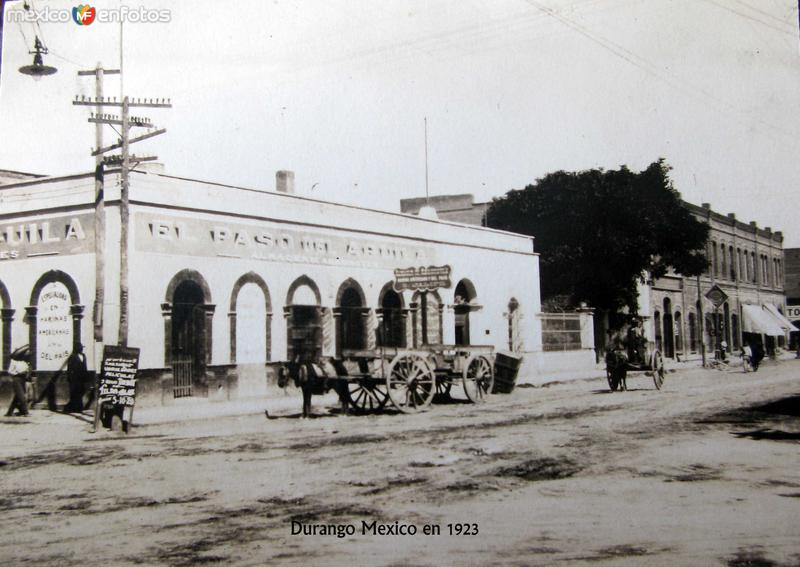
<point>338,91</point>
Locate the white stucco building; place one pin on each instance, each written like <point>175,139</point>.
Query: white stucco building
<point>225,281</point>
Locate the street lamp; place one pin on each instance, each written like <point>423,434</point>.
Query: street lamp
<point>38,69</point>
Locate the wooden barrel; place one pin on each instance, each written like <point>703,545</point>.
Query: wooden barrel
<point>506,368</point>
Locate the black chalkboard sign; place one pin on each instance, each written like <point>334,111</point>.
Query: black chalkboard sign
<point>118,375</point>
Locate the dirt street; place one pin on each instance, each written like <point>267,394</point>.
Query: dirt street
<point>704,472</point>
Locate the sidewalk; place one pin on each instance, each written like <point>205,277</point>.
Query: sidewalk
<point>43,424</point>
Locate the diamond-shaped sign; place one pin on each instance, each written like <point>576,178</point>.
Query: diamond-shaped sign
<point>716,295</point>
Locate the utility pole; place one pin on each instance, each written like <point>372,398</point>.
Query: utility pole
<point>124,160</point>
<point>99,232</point>
<point>99,219</point>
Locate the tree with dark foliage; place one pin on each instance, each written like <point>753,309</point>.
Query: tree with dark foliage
<point>599,232</point>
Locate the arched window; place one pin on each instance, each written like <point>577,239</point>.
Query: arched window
<point>428,318</point>
<point>669,331</point>
<point>303,321</point>
<point>726,325</point>
<point>742,270</point>
<point>657,328</point>
<point>7,316</point>
<point>463,299</point>
<point>514,331</point>
<point>692,332</point>
<point>350,312</point>
<point>392,328</point>
<point>250,320</point>
<point>723,273</point>
<point>715,258</point>
<point>54,316</point>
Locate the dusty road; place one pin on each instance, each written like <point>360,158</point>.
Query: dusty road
<point>705,472</point>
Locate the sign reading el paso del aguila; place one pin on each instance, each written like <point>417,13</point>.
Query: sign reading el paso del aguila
<point>422,278</point>
<point>47,236</point>
<point>263,241</point>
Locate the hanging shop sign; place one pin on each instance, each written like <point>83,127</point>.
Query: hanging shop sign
<point>793,311</point>
<point>716,296</point>
<point>422,278</point>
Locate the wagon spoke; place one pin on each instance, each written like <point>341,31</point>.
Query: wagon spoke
<point>409,383</point>
<point>478,378</point>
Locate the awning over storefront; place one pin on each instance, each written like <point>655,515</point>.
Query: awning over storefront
<point>784,322</point>
<point>760,321</point>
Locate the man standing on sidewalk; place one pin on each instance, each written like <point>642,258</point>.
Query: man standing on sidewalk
<point>76,377</point>
<point>20,372</point>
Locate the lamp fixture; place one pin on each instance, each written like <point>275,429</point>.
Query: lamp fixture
<point>38,69</point>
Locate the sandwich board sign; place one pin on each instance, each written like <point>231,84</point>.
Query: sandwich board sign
<point>117,382</point>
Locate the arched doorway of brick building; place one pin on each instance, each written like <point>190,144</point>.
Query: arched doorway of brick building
<point>669,331</point>
<point>657,328</point>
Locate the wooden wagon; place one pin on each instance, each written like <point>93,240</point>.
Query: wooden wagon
<point>410,378</point>
<point>618,365</point>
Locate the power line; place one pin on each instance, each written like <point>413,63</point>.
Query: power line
<point>24,37</point>
<point>764,13</point>
<point>643,64</point>
<point>67,59</point>
<point>751,18</point>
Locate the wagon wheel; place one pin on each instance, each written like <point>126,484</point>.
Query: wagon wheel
<point>410,383</point>
<point>443,385</point>
<point>366,395</point>
<point>657,367</point>
<point>478,378</point>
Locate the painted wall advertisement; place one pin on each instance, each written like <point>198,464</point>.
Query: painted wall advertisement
<point>261,241</point>
<point>54,327</point>
<point>52,236</point>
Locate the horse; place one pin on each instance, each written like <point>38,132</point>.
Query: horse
<point>312,379</point>
<point>617,368</point>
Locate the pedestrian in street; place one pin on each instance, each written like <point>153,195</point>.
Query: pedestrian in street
<point>758,355</point>
<point>19,370</point>
<point>747,357</point>
<point>76,378</point>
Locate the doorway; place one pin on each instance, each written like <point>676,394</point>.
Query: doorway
<point>188,342</point>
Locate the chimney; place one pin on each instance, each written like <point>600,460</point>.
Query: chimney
<point>284,182</point>
<point>732,216</point>
<point>706,205</point>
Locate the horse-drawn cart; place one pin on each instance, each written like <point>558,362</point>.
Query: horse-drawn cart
<point>618,364</point>
<point>406,378</point>
<point>410,378</point>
